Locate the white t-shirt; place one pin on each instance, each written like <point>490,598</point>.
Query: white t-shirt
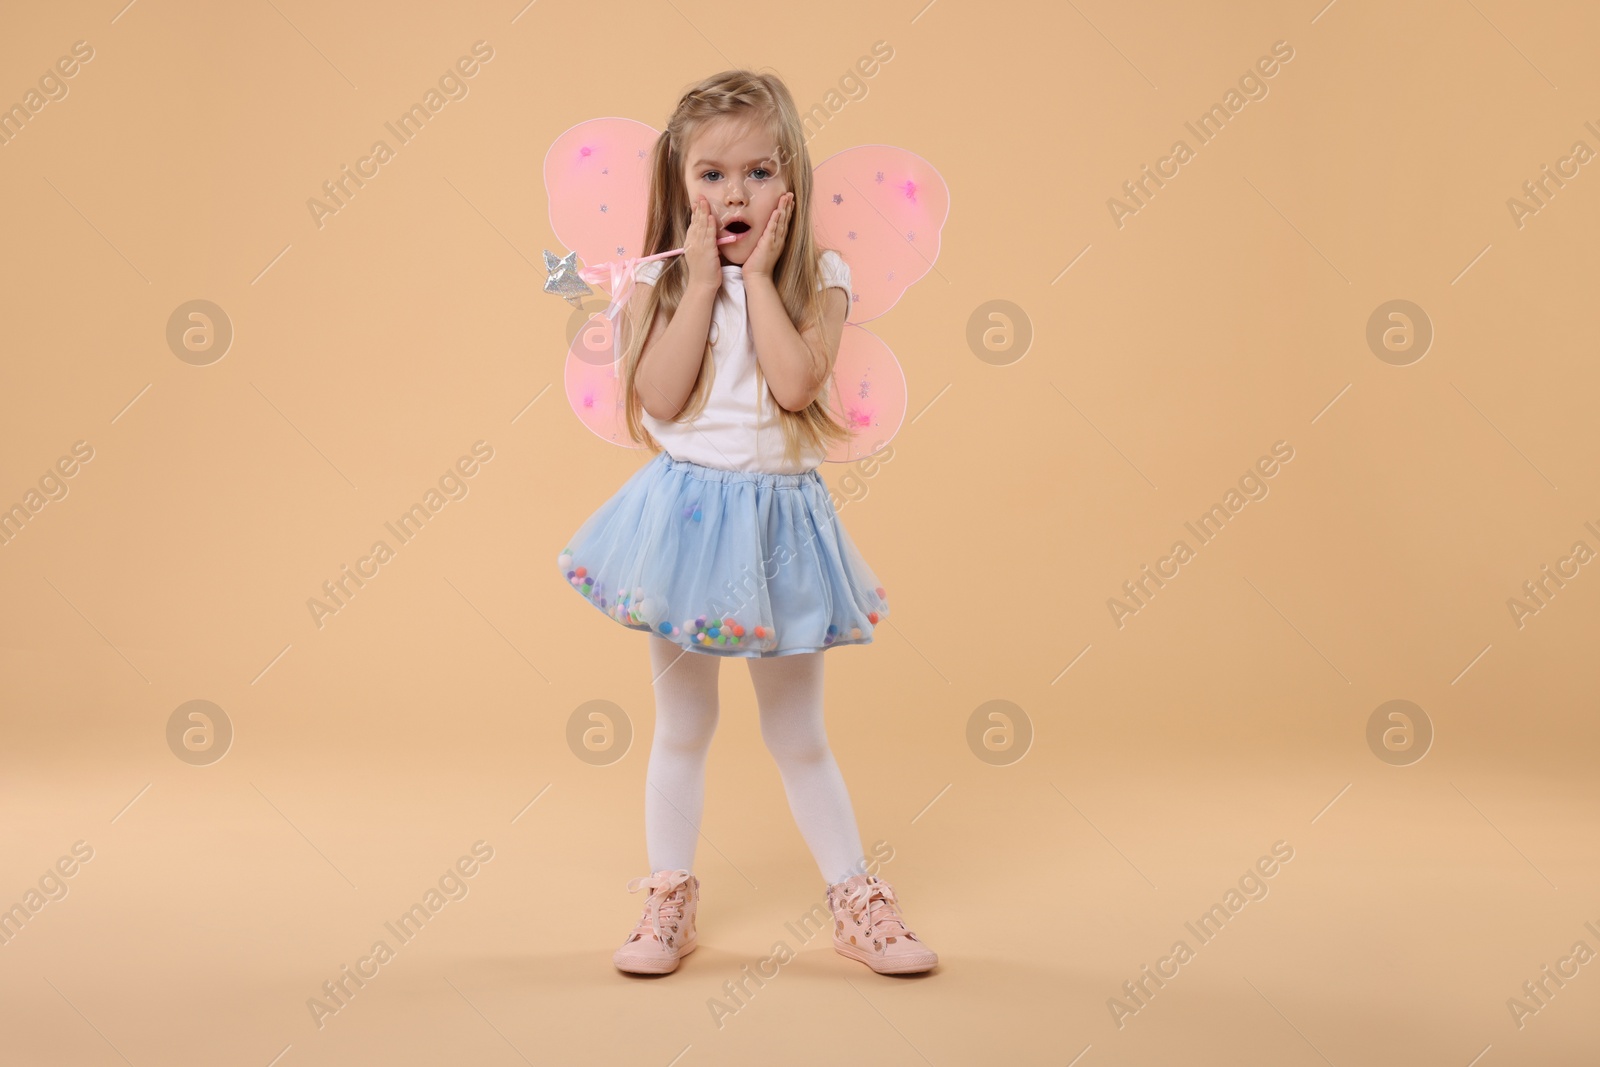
<point>737,429</point>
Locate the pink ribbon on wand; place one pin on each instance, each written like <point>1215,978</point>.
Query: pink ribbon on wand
<point>569,282</point>
<point>597,269</point>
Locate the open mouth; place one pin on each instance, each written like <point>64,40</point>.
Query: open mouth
<point>737,227</point>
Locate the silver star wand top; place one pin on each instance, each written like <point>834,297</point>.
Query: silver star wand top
<point>565,280</point>
<point>569,282</point>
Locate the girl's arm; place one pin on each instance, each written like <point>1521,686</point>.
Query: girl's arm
<point>796,365</point>
<point>671,359</point>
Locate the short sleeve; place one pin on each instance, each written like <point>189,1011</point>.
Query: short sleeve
<point>836,273</point>
<point>647,274</point>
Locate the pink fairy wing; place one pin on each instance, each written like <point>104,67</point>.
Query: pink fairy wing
<point>883,209</point>
<point>868,394</point>
<point>594,389</point>
<point>597,178</point>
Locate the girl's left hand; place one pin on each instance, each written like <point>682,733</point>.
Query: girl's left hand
<point>770,243</point>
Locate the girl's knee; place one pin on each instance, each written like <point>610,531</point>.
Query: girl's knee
<point>685,733</point>
<point>791,747</point>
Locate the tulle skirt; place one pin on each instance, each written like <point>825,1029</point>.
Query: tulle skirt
<point>731,563</point>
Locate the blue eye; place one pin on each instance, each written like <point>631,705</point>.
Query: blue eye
<point>707,176</point>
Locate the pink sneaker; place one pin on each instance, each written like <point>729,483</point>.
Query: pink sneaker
<point>867,927</point>
<point>665,932</point>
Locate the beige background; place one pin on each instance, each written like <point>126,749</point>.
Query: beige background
<point>1230,713</point>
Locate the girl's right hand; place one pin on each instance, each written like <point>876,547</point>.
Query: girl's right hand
<point>700,248</point>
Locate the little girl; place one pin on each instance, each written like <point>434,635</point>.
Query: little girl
<point>727,543</point>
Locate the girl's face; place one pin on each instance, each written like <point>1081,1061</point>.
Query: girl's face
<point>734,165</point>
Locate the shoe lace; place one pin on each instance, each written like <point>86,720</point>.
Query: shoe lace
<point>877,900</point>
<point>667,898</point>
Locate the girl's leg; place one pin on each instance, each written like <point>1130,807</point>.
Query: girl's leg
<point>675,782</point>
<point>789,691</point>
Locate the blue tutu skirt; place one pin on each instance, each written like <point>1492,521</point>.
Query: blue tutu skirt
<point>732,563</point>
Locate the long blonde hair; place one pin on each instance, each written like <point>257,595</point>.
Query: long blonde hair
<point>761,98</point>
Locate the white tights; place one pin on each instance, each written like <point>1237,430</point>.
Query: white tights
<point>789,693</point>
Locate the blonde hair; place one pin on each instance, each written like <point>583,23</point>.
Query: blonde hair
<point>762,99</point>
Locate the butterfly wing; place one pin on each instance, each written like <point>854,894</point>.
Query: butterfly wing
<point>593,382</point>
<point>597,180</point>
<point>868,392</point>
<point>883,209</point>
